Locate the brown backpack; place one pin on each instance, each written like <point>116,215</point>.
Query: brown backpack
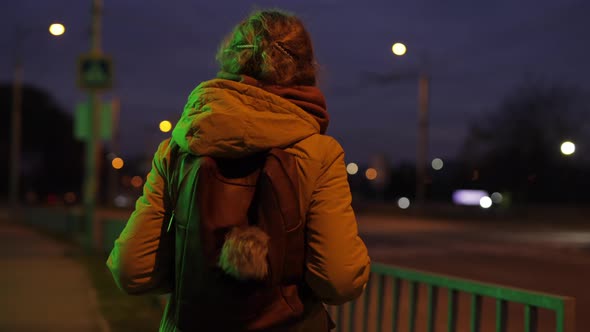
<point>216,197</point>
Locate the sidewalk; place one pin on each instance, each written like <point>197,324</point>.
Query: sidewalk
<point>42,289</point>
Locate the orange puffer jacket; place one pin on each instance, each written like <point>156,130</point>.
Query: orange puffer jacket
<point>225,118</point>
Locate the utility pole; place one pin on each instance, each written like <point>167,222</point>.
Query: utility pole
<point>422,146</point>
<point>17,110</point>
<point>114,173</point>
<point>92,172</point>
<point>16,125</point>
<point>400,49</point>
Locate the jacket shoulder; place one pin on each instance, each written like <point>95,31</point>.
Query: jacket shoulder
<point>163,156</point>
<point>318,148</point>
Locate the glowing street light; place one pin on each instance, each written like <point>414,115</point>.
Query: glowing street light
<point>399,49</point>
<point>403,203</point>
<point>485,202</point>
<point>136,181</point>
<point>371,174</point>
<point>117,163</point>
<point>165,126</point>
<point>568,148</point>
<point>57,29</point>
<point>497,197</point>
<point>352,168</point>
<point>437,164</point>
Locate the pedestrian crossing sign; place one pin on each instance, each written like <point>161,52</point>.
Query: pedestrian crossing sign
<point>95,72</point>
<point>83,120</point>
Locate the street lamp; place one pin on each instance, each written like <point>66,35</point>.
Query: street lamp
<point>57,29</point>
<point>568,148</point>
<point>16,127</point>
<point>437,164</point>
<point>371,174</point>
<point>165,126</point>
<point>117,163</point>
<point>400,49</point>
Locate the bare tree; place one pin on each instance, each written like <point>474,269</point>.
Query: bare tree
<point>516,147</point>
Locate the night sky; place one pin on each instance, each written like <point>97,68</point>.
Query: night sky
<point>480,51</point>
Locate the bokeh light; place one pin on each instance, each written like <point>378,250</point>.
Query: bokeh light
<point>437,164</point>
<point>469,197</point>
<point>485,202</point>
<point>371,174</point>
<point>403,203</point>
<point>568,148</point>
<point>117,163</point>
<point>57,29</point>
<point>136,181</point>
<point>165,126</point>
<point>497,198</point>
<point>399,49</point>
<point>121,201</point>
<point>352,168</point>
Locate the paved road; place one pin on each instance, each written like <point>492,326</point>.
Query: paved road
<point>42,290</point>
<point>546,258</point>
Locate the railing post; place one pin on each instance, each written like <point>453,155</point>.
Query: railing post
<point>413,298</point>
<point>452,313</point>
<point>340,319</point>
<point>432,299</point>
<point>380,281</point>
<point>566,317</point>
<point>475,312</point>
<point>395,304</point>
<point>366,303</point>
<point>530,318</point>
<point>351,316</point>
<point>501,315</point>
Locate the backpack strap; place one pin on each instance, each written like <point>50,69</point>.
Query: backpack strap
<point>172,182</point>
<point>282,217</point>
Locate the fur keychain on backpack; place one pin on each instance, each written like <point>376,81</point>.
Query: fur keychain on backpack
<point>243,255</point>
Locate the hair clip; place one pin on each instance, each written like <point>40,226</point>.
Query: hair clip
<point>284,50</point>
<point>245,46</point>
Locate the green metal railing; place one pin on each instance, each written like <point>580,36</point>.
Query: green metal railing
<point>358,316</point>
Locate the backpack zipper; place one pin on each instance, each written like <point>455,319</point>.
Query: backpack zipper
<point>170,222</point>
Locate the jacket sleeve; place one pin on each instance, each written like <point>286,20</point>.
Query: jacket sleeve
<point>142,259</point>
<point>337,260</point>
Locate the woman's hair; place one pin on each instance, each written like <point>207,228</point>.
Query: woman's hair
<point>271,46</point>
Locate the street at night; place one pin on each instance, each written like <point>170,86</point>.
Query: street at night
<point>551,259</point>
<point>419,166</point>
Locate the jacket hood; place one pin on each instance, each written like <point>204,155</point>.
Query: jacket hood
<point>235,118</point>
